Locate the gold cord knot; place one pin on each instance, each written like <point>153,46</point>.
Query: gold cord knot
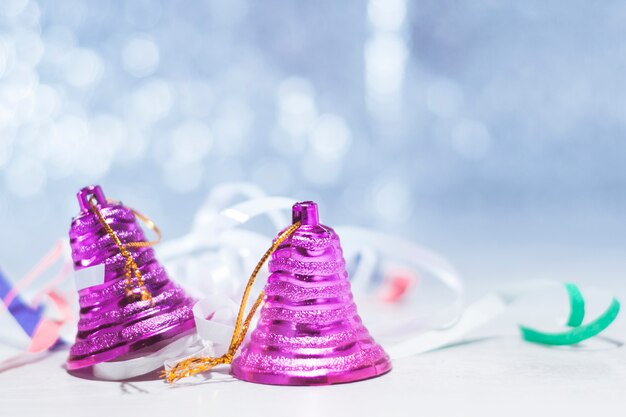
<point>196,365</point>
<point>131,270</point>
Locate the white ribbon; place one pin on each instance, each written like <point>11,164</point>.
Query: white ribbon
<point>130,368</point>
<point>215,323</point>
<point>220,255</point>
<point>216,250</point>
<point>215,318</point>
<point>89,277</point>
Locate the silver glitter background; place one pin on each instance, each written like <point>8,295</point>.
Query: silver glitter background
<point>491,131</point>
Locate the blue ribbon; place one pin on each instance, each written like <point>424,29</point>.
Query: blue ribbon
<point>27,317</point>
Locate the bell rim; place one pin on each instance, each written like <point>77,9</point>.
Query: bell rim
<point>333,378</point>
<point>170,332</point>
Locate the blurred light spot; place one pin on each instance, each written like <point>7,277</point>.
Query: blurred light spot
<point>190,142</point>
<point>296,105</point>
<point>386,14</point>
<point>143,13</point>
<point>195,98</point>
<point>6,116</point>
<point>75,128</point>
<point>11,8</point>
<point>25,177</point>
<point>97,165</point>
<point>330,138</point>
<point>228,169</point>
<point>47,102</point>
<point>286,144</point>
<point>6,148</point>
<point>273,175</point>
<point>135,145</point>
<point>29,47</point>
<point>385,58</point>
<point>108,129</point>
<point>31,15</point>
<point>24,109</point>
<point>151,102</point>
<point>182,177</point>
<point>443,97</point>
<point>392,201</point>
<point>19,83</point>
<point>232,126</point>
<point>320,171</point>
<point>32,142</point>
<point>83,67</point>
<point>68,152</point>
<point>230,12</point>
<point>471,139</point>
<point>70,13</point>
<point>59,42</point>
<point>7,54</point>
<point>140,56</point>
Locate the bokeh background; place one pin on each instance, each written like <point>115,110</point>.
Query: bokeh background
<point>493,132</point>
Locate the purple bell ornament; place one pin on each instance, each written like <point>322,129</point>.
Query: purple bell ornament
<point>129,308</point>
<point>309,331</point>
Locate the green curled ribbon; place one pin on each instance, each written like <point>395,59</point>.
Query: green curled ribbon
<point>579,331</point>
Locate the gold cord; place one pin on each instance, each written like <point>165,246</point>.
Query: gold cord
<point>196,365</point>
<point>130,268</point>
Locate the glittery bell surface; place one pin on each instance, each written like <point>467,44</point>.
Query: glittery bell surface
<point>111,324</point>
<point>309,332</point>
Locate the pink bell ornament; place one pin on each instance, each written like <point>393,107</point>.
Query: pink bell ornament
<point>309,331</point>
<point>130,311</point>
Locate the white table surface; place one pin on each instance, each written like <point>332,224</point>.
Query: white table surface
<point>497,376</point>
